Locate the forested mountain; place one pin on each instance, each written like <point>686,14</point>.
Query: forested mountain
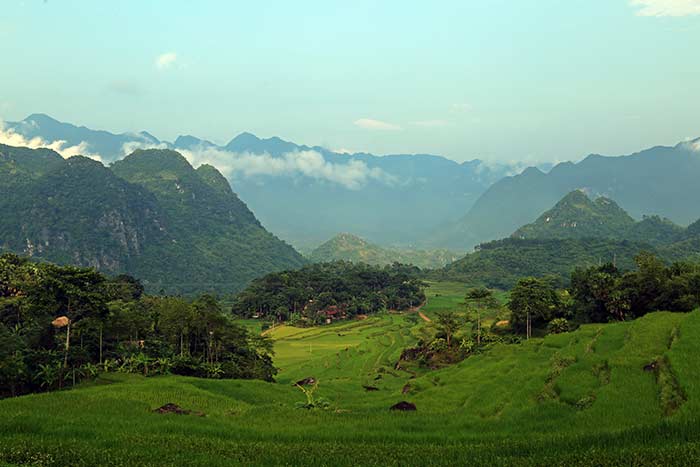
<point>306,194</point>
<point>151,215</point>
<point>501,263</point>
<point>577,216</point>
<point>658,181</point>
<point>349,247</point>
<point>576,232</point>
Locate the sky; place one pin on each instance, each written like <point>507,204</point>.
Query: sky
<point>517,80</point>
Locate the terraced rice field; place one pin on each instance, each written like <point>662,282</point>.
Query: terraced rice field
<point>579,398</point>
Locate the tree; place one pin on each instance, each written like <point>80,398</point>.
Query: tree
<point>448,324</point>
<point>480,299</point>
<point>176,322</point>
<point>533,302</point>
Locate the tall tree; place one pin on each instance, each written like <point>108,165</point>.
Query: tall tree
<point>480,299</point>
<point>533,302</point>
<point>448,324</point>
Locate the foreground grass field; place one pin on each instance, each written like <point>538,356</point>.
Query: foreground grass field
<point>580,398</point>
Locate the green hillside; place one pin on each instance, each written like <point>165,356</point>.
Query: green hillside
<point>501,263</point>
<point>579,398</point>
<point>151,215</point>
<point>576,232</point>
<point>578,216</point>
<point>348,247</point>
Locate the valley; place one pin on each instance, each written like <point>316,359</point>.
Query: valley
<point>374,233</point>
<point>574,398</point>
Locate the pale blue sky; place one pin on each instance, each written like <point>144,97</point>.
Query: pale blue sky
<point>503,80</point>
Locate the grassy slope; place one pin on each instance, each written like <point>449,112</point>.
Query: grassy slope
<point>573,399</point>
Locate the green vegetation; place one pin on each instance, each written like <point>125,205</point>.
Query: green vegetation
<point>576,232</point>
<point>347,247</point>
<point>500,264</point>
<point>575,398</point>
<point>150,215</point>
<point>605,293</point>
<point>323,292</point>
<point>60,325</point>
<point>577,216</point>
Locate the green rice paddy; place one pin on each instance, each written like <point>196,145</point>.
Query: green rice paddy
<point>579,398</point>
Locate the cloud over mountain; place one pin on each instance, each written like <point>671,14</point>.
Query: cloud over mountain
<point>352,175</point>
<point>11,138</point>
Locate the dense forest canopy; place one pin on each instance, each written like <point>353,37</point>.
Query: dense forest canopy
<point>62,324</point>
<point>324,291</point>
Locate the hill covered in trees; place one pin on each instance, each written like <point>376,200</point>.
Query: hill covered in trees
<point>324,292</point>
<point>576,232</point>
<point>151,215</point>
<point>501,263</point>
<point>578,216</point>
<point>348,247</point>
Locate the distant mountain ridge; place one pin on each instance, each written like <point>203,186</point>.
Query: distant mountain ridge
<point>658,181</point>
<point>151,215</point>
<point>306,194</point>
<point>348,247</point>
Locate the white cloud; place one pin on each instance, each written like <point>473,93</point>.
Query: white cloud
<point>11,138</point>
<point>431,123</point>
<point>353,175</point>
<point>345,151</point>
<point>165,60</point>
<point>371,124</point>
<point>667,7</point>
<point>131,146</point>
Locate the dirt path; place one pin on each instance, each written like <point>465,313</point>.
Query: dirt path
<point>269,330</point>
<point>425,318</point>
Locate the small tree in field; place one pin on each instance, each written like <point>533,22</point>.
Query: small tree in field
<point>448,323</point>
<point>480,299</point>
<point>532,300</point>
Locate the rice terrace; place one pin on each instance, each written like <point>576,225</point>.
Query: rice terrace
<point>367,233</point>
<point>580,398</point>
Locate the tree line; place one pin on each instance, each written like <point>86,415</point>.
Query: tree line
<point>341,289</point>
<point>605,293</point>
<point>60,325</point>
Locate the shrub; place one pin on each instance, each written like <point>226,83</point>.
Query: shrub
<point>558,326</point>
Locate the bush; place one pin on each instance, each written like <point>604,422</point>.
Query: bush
<point>558,326</point>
